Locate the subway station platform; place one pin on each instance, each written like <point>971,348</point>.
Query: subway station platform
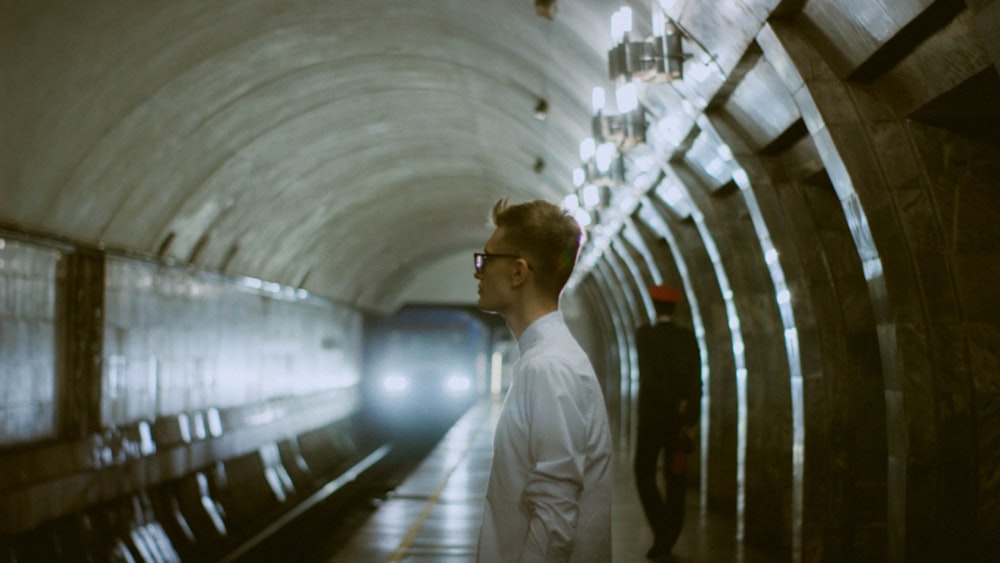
<point>434,514</point>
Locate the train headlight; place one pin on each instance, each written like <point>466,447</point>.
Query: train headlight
<point>395,383</point>
<point>456,384</point>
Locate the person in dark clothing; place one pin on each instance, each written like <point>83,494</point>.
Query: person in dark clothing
<point>669,407</point>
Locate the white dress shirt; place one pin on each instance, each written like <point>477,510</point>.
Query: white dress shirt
<point>549,491</point>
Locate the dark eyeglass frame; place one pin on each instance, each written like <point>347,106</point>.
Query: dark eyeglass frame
<point>479,259</point>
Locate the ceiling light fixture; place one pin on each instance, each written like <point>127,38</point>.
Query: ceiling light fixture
<point>625,129</point>
<point>541,109</point>
<point>658,58</point>
<point>601,164</point>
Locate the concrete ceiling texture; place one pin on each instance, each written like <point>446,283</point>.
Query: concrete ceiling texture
<point>349,147</point>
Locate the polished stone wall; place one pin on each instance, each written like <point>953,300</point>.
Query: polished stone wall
<point>27,342</point>
<point>845,487</point>
<point>960,272</point>
<point>181,369</point>
<point>848,141</point>
<point>723,413</point>
<point>174,340</point>
<point>768,460</point>
<point>884,183</point>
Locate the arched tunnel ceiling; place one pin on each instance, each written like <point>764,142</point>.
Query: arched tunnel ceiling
<point>340,146</point>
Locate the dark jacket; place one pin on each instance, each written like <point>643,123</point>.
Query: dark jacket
<point>669,372</point>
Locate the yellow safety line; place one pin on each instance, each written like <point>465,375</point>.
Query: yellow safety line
<point>418,523</point>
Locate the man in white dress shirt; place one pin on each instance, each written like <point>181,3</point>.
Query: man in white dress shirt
<point>549,491</point>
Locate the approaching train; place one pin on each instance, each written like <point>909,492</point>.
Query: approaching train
<point>425,366</point>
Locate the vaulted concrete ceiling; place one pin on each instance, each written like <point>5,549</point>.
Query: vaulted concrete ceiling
<point>347,147</point>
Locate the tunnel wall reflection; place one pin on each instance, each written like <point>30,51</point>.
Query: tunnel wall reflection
<point>177,340</point>
<point>139,394</point>
<point>27,342</point>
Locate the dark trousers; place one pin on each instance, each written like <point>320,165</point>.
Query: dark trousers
<point>664,510</point>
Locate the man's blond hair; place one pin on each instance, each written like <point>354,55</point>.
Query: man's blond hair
<point>545,235</point>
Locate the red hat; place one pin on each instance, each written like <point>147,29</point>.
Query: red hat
<point>665,294</point>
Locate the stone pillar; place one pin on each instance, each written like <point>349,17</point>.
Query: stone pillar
<point>80,313</point>
<point>916,200</point>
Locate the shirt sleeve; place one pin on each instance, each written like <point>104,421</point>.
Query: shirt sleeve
<point>557,441</point>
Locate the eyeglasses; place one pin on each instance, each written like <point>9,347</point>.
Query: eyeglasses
<point>479,259</point>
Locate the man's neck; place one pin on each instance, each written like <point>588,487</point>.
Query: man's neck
<point>519,321</point>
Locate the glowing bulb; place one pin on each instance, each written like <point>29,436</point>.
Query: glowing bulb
<point>587,148</point>
<point>457,384</point>
<point>571,202</point>
<point>621,23</point>
<point>627,97</point>
<point>591,196</point>
<point>597,99</point>
<point>579,176</point>
<point>605,153</point>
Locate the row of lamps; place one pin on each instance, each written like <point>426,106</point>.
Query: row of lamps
<point>655,59</point>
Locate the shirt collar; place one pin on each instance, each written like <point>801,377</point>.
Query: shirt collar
<point>533,334</point>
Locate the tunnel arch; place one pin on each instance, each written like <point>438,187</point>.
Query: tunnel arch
<point>823,189</point>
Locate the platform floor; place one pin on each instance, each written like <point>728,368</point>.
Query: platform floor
<point>434,515</point>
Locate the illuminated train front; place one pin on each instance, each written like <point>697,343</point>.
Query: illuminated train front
<point>424,367</point>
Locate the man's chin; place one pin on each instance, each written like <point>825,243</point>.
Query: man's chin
<point>485,307</point>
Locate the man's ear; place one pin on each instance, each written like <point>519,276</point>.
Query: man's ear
<point>519,272</point>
